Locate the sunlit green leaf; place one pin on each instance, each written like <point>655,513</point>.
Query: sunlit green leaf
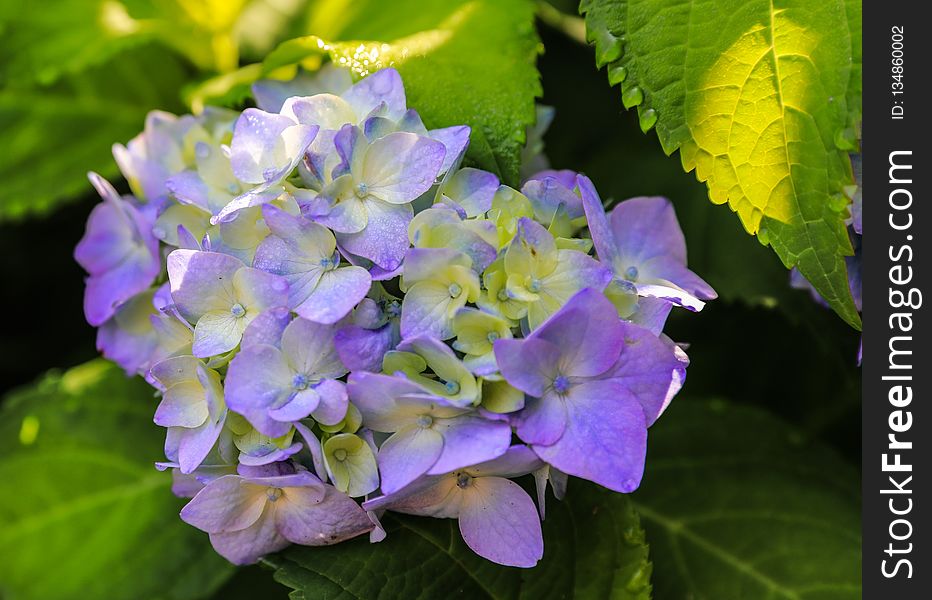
<point>756,96</point>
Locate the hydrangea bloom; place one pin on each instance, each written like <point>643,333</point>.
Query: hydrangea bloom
<point>346,321</point>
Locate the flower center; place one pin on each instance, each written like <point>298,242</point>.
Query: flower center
<point>561,384</point>
<point>237,310</point>
<point>362,190</point>
<point>462,480</point>
<point>451,387</point>
<point>339,454</point>
<point>534,286</point>
<point>455,290</point>
<point>492,336</point>
<point>424,421</point>
<point>273,493</point>
<point>631,273</point>
<point>300,382</point>
<point>502,295</point>
<point>393,310</point>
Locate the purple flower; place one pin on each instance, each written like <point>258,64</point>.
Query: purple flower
<point>271,94</point>
<point>437,282</point>
<point>192,408</point>
<point>261,509</point>
<point>118,251</point>
<point>642,242</point>
<point>429,435</point>
<point>543,276</point>
<point>276,384</point>
<point>442,226</point>
<point>305,254</point>
<point>149,159</point>
<point>470,189</point>
<point>128,338</point>
<point>598,383</point>
<point>554,200</point>
<point>497,518</point>
<point>368,202</point>
<point>265,149</point>
<point>372,331</point>
<point>221,296</point>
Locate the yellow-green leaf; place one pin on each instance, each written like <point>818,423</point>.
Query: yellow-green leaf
<point>757,97</point>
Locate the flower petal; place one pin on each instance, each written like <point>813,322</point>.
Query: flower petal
<point>407,455</point>
<point>499,521</point>
<point>468,440</point>
<point>605,440</point>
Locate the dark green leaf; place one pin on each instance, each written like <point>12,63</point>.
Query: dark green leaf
<point>54,135</point>
<point>756,97</point>
<point>736,505</point>
<point>593,548</point>
<point>84,514</point>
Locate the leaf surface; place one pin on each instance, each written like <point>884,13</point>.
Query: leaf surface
<point>84,513</point>
<point>762,99</point>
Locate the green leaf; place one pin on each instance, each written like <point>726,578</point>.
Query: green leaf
<point>737,505</point>
<point>463,62</point>
<point>754,95</point>
<point>42,45</point>
<point>84,513</point>
<point>593,548</point>
<point>54,135</point>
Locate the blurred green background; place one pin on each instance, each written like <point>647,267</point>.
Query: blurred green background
<point>760,344</point>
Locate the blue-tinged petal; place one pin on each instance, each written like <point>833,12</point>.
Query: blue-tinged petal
<point>518,460</point>
<point>605,440</point>
<point>472,189</point>
<point>651,313</point>
<point>427,309</point>
<point>267,328</point>
<point>543,420</point>
<point>201,281</point>
<point>325,110</point>
<point>588,333</point>
<point>384,86</point>
<point>499,521</point>
<point>599,229</point>
<point>384,241</point>
<point>308,348</point>
<point>651,369</point>
<point>258,379</point>
<point>227,503</point>
<point>362,349</point>
<point>455,140</point>
<point>298,407</point>
<point>400,167</point>
<point>270,94</point>
<point>304,519</point>
<point>407,455</point>
<point>337,292</point>
<point>469,440</point>
<point>531,364</point>
<point>377,398</point>
<point>334,402</point>
<point>247,546</point>
<point>265,144</point>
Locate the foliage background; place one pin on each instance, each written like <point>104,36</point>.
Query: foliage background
<point>766,353</point>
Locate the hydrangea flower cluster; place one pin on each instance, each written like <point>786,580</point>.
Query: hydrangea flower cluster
<point>340,320</point>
